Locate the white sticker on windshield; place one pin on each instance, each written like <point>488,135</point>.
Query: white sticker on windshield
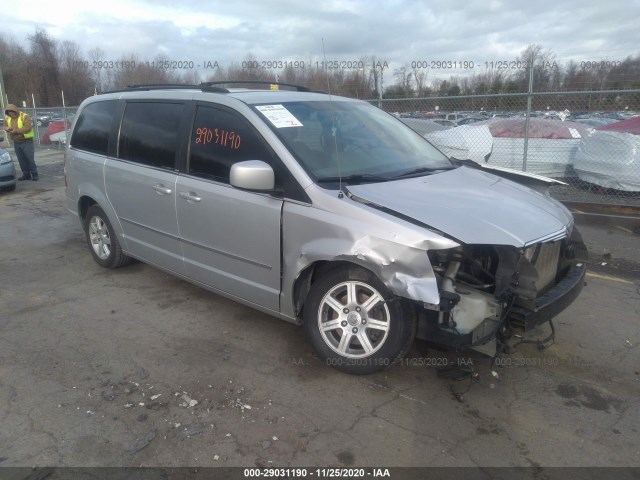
<point>279,116</point>
<point>575,133</point>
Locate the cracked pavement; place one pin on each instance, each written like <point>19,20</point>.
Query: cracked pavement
<point>133,367</point>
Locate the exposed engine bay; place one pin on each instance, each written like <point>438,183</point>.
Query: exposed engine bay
<point>488,292</point>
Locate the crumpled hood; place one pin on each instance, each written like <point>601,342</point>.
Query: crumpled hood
<point>472,206</point>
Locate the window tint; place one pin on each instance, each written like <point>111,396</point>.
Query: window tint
<point>218,140</point>
<point>149,133</point>
<point>93,126</point>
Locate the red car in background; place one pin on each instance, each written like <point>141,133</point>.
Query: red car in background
<point>54,127</point>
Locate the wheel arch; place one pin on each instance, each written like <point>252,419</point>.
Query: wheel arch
<point>305,279</point>
<point>84,203</point>
<point>88,196</point>
<point>312,272</point>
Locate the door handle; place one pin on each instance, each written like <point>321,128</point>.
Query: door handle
<point>190,196</point>
<point>161,189</point>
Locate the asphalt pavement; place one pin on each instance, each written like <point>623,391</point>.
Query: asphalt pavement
<point>133,367</point>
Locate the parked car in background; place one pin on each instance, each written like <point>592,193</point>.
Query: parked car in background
<point>470,119</point>
<point>42,120</point>
<point>55,127</point>
<point>500,142</point>
<point>609,156</point>
<point>454,116</point>
<point>62,115</point>
<point>444,122</point>
<point>429,115</point>
<point>595,121</point>
<point>60,137</point>
<point>552,116</point>
<point>7,171</point>
<point>423,125</point>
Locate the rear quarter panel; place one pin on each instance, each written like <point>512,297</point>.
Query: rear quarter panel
<point>85,185</point>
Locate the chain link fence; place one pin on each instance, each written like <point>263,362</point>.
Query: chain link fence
<point>51,125</point>
<point>590,140</point>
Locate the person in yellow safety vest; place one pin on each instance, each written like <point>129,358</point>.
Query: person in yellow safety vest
<point>18,125</point>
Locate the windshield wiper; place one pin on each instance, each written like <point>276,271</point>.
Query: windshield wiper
<point>360,178</point>
<point>421,170</point>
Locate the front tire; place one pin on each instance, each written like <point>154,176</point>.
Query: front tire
<point>102,241</point>
<point>355,323</point>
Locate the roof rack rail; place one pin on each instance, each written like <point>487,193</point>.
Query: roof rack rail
<point>206,86</point>
<point>299,88</point>
<point>162,86</point>
<point>154,86</point>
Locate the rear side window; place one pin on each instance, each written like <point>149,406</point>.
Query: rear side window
<point>149,134</point>
<point>221,138</point>
<point>92,128</point>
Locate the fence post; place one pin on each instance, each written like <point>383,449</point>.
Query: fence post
<point>64,118</point>
<point>528,117</point>
<point>5,138</point>
<point>380,89</point>
<point>34,120</point>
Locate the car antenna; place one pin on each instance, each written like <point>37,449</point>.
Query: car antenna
<point>333,123</point>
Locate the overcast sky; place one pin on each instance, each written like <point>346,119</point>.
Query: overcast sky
<point>396,31</point>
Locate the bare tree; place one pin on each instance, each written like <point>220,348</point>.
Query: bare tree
<point>403,77</point>
<point>15,68</point>
<point>75,75</point>
<point>420,76</point>
<point>102,79</point>
<point>43,68</point>
<point>543,62</point>
<point>375,74</point>
<point>190,77</point>
<point>132,71</point>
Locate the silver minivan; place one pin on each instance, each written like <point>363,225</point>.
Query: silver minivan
<point>323,211</point>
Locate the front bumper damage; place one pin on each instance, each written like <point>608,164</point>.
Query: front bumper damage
<point>554,301</point>
<point>488,293</point>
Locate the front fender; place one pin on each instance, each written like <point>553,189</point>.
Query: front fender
<point>394,252</point>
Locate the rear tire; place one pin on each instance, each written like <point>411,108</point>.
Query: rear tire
<point>102,241</point>
<point>355,323</point>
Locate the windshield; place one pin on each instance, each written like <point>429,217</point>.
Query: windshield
<point>351,140</point>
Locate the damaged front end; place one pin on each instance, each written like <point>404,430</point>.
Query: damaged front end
<point>488,292</point>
